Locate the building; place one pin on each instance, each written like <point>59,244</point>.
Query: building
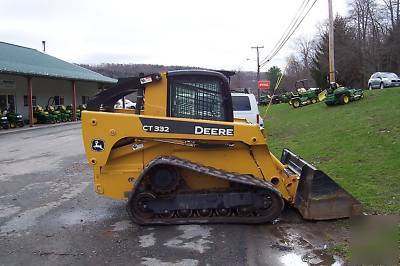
<point>29,77</point>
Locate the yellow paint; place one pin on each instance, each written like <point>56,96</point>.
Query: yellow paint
<point>116,169</point>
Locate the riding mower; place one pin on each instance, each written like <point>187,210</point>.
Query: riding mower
<point>4,120</point>
<point>41,116</point>
<point>11,119</point>
<point>65,114</point>
<point>339,95</point>
<point>81,107</point>
<point>77,111</point>
<point>15,119</point>
<point>50,108</point>
<point>305,96</point>
<point>286,97</point>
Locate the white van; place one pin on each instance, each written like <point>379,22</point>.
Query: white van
<point>245,107</point>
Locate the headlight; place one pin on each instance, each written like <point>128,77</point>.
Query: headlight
<point>19,116</point>
<point>3,118</point>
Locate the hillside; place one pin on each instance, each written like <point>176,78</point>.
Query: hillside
<point>357,144</point>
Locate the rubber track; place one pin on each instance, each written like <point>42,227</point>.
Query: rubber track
<point>218,173</point>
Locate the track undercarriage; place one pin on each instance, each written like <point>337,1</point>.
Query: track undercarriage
<point>162,196</point>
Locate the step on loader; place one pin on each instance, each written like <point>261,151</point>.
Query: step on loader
<point>180,157</point>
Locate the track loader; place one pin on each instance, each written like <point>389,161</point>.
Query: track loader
<point>180,157</point>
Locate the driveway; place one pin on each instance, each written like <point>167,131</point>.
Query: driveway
<point>49,215</point>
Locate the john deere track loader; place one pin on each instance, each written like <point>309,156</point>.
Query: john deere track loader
<point>180,157</point>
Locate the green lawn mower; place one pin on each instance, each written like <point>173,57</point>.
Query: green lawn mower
<point>65,114</point>
<point>338,95</point>
<point>51,109</point>
<point>81,107</point>
<point>41,116</point>
<point>304,96</point>
<point>11,119</point>
<point>15,119</point>
<point>286,97</point>
<point>4,121</point>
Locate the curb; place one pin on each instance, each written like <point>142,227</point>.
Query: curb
<point>36,127</point>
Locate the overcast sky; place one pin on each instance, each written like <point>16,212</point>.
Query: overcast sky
<point>206,33</point>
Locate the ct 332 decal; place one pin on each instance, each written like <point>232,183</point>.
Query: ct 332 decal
<point>185,127</point>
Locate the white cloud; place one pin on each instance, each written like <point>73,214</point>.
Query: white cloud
<point>207,33</point>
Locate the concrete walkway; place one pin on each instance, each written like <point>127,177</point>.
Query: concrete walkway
<point>35,127</point>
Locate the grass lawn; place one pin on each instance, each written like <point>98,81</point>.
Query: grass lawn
<point>357,144</point>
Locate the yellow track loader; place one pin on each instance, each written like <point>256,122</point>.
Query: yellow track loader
<point>180,157</point>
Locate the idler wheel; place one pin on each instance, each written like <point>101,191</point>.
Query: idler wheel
<point>267,202</point>
<point>140,204</point>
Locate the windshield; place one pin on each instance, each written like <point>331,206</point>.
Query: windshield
<point>390,75</point>
<point>241,103</point>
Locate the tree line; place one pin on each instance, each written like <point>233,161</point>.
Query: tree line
<point>367,40</point>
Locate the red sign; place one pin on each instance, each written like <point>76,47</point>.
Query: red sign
<point>263,84</point>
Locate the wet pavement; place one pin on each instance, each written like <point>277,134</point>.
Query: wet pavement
<point>49,215</point>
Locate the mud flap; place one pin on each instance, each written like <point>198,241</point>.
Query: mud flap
<point>318,196</point>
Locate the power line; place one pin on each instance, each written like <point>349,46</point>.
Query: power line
<point>288,36</point>
<point>289,27</point>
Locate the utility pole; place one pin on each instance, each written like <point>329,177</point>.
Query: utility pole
<point>332,77</point>
<point>258,68</point>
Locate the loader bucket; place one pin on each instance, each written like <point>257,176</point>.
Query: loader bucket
<point>318,196</point>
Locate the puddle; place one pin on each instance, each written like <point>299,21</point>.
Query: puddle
<point>298,246</point>
<point>292,259</point>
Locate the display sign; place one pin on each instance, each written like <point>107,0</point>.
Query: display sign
<point>263,84</point>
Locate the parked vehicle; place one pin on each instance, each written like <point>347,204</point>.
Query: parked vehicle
<point>11,119</point>
<point>195,164</point>
<point>339,95</point>
<point>15,119</point>
<point>128,104</point>
<point>285,97</point>
<point>304,96</point>
<point>41,116</point>
<point>65,113</point>
<point>266,99</point>
<point>380,80</point>
<point>245,107</point>
<point>51,109</point>
<point>4,121</point>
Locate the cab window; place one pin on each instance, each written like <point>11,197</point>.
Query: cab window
<point>241,103</point>
<point>197,98</point>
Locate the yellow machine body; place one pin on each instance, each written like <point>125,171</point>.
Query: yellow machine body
<point>121,143</point>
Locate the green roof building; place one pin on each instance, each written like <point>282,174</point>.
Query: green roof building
<point>29,77</point>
